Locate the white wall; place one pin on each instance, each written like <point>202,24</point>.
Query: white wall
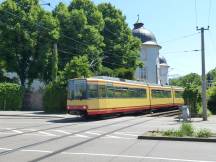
<point>164,74</point>
<point>150,56</point>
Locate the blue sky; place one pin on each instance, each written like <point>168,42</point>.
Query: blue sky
<point>174,24</point>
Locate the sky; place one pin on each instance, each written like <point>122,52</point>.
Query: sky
<point>174,24</point>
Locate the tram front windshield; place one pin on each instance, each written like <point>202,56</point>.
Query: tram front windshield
<point>77,89</point>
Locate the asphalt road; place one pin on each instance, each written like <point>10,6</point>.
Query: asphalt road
<point>51,139</point>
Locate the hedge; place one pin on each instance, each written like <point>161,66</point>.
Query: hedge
<point>55,98</point>
<point>11,96</point>
<point>212,99</point>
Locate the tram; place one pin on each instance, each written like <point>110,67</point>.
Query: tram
<point>108,95</point>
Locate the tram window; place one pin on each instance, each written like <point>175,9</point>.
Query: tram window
<point>161,94</point>
<point>118,92</point>
<point>102,91</point>
<point>143,93</point>
<point>77,89</point>
<point>125,93</point>
<point>110,90</point>
<point>132,92</point>
<point>92,91</point>
<point>178,94</point>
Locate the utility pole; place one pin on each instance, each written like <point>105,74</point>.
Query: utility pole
<point>204,103</point>
<point>54,62</point>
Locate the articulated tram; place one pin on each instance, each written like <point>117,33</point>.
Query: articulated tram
<point>107,95</point>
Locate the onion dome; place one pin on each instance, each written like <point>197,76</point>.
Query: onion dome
<point>145,35</point>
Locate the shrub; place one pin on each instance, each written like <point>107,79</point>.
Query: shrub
<point>11,96</point>
<point>54,98</point>
<point>169,132</point>
<point>200,111</point>
<point>187,129</point>
<point>204,133</point>
<point>212,99</point>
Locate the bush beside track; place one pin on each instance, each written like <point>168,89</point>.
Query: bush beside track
<point>11,96</point>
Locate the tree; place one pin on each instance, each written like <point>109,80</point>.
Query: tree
<point>192,95</point>
<point>55,95</point>
<point>122,48</point>
<point>26,39</point>
<point>212,99</point>
<point>78,67</point>
<point>81,24</point>
<point>211,76</point>
<point>189,79</point>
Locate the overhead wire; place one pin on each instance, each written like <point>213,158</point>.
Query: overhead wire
<point>180,38</point>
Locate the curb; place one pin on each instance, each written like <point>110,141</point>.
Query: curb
<point>193,139</point>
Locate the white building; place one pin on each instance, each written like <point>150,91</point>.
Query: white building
<point>155,69</point>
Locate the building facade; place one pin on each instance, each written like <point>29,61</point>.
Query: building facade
<point>155,69</point>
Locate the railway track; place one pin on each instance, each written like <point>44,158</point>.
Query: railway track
<point>153,117</point>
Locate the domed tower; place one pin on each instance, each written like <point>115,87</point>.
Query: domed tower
<point>164,67</point>
<point>149,54</point>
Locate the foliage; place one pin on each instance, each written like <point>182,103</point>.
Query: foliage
<point>78,67</point>
<point>200,111</point>
<point>10,96</point>
<point>55,95</point>
<point>121,50</point>
<point>187,129</point>
<point>204,133</point>
<point>192,95</point>
<point>54,98</point>
<point>211,76</point>
<point>26,34</point>
<point>185,81</point>
<point>212,99</point>
<point>81,24</point>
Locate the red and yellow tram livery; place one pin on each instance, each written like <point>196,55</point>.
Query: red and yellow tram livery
<point>106,95</point>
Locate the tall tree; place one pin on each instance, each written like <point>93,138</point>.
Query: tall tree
<point>122,49</point>
<point>81,24</point>
<point>192,79</point>
<point>26,39</point>
<point>211,76</point>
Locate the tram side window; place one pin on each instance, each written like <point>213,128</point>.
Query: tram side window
<point>102,91</point>
<point>123,92</point>
<point>142,93</point>
<point>110,91</point>
<point>118,92</point>
<point>161,94</point>
<point>92,91</point>
<point>178,94</point>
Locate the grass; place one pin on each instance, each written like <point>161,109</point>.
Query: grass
<point>187,130</point>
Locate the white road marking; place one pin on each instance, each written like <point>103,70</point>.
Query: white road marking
<point>136,157</point>
<point>126,134</point>
<point>14,130</point>
<point>48,134</point>
<point>93,133</point>
<point>5,149</point>
<point>110,136</point>
<point>80,135</point>
<point>29,129</point>
<point>17,131</point>
<point>61,131</point>
<point>43,151</point>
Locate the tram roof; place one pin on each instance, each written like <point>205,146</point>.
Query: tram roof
<point>131,82</point>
